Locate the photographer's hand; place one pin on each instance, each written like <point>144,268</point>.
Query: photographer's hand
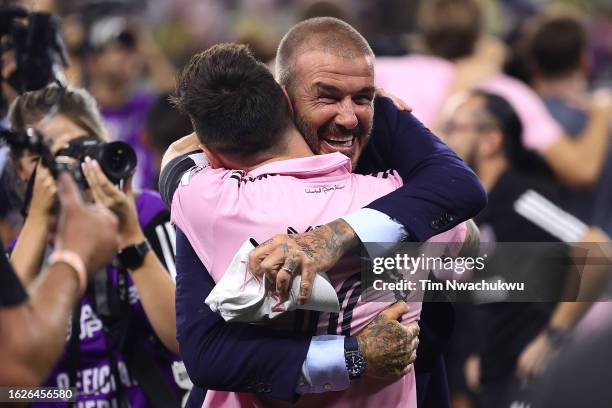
<point>27,256</point>
<point>122,203</point>
<point>90,231</point>
<point>154,284</point>
<point>44,194</point>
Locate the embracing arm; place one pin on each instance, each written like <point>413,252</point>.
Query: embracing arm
<point>440,191</point>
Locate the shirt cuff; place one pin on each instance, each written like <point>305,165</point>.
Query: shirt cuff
<point>374,226</point>
<point>325,367</point>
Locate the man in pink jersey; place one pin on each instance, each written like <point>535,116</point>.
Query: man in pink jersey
<point>241,117</point>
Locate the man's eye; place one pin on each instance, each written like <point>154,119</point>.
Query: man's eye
<point>363,100</point>
<point>328,99</point>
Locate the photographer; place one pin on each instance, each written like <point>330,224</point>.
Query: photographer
<point>34,327</point>
<point>114,353</point>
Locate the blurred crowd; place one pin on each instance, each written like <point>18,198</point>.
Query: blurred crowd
<point>550,60</point>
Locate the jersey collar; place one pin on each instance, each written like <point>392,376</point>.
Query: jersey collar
<point>313,165</point>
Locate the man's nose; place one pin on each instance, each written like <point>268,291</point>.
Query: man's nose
<point>346,116</point>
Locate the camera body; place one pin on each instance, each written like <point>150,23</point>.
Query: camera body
<point>117,159</point>
<point>40,53</point>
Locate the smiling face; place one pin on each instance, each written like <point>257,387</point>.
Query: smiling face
<point>332,98</point>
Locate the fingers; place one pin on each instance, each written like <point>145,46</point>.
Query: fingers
<point>395,311</point>
<point>407,370</point>
<point>127,186</point>
<point>103,191</point>
<point>283,280</point>
<point>413,329</point>
<point>399,103</point>
<point>92,180</point>
<point>68,191</point>
<point>45,181</point>
<point>272,263</point>
<point>258,254</point>
<point>284,276</point>
<point>307,282</point>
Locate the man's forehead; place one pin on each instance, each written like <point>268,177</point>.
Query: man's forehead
<point>320,68</point>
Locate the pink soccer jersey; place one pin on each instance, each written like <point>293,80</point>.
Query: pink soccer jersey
<point>219,209</point>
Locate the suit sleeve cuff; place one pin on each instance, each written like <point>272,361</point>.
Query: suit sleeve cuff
<point>374,226</point>
<point>324,369</point>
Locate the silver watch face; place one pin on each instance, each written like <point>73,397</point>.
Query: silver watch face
<point>355,363</point>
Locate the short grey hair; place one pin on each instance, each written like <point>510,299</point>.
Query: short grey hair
<point>326,34</point>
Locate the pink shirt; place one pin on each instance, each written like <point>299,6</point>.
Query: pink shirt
<point>424,82</point>
<point>219,209</point>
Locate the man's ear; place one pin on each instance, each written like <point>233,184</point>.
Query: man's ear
<point>213,158</point>
<point>288,100</point>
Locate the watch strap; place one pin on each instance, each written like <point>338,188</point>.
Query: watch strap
<point>132,256</point>
<point>351,343</point>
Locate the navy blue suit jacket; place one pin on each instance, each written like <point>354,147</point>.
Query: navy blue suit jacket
<point>440,191</point>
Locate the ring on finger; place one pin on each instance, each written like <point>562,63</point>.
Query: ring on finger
<point>290,266</point>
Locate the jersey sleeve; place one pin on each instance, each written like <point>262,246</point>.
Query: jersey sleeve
<point>171,174</point>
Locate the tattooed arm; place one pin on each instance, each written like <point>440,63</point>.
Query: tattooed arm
<point>318,250</point>
<point>388,346</point>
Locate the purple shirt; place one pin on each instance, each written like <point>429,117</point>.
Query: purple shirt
<point>95,383</point>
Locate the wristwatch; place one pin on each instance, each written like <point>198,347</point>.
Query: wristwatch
<point>132,256</point>
<point>354,358</point>
<point>555,336</point>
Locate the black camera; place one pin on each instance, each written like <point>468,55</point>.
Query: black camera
<point>39,50</point>
<point>117,159</point>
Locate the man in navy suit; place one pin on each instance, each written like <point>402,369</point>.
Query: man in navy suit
<point>332,96</point>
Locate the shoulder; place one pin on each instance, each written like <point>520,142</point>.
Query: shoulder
<point>388,179</point>
<point>173,172</point>
<point>387,116</point>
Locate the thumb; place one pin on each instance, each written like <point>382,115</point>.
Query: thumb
<point>67,190</point>
<point>396,310</point>
<point>127,185</point>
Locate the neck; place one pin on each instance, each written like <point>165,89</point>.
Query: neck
<point>295,147</point>
<point>491,170</point>
<point>572,84</point>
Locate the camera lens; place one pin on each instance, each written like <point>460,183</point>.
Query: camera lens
<point>118,160</point>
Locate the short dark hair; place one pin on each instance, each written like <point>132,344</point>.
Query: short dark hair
<point>450,28</point>
<point>556,46</point>
<point>235,105</point>
<point>328,34</point>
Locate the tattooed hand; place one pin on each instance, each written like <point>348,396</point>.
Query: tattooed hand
<point>388,346</point>
<point>307,254</point>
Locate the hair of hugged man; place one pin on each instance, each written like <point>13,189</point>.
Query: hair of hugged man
<point>236,107</point>
<point>325,34</point>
